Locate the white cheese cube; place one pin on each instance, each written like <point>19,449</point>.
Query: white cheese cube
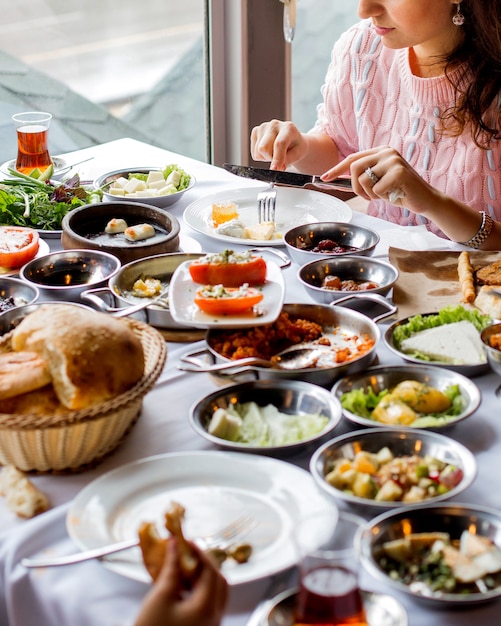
<point>116,191</point>
<point>155,177</point>
<point>173,178</point>
<point>133,185</point>
<point>120,182</point>
<point>167,190</point>
<point>156,184</point>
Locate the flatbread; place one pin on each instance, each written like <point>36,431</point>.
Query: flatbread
<point>21,372</point>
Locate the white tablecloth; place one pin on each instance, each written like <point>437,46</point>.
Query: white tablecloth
<point>88,594</point>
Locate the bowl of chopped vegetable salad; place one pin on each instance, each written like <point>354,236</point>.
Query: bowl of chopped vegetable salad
<point>386,468</point>
<point>274,417</point>
<point>160,187</point>
<point>407,396</point>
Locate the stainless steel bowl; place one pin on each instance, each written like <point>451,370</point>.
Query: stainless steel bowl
<point>13,317</point>
<point>332,319</point>
<point>453,518</point>
<point>301,239</point>
<point>84,228</point>
<point>291,397</point>
<point>493,354</point>
<point>401,443</point>
<point>358,268</point>
<point>15,292</point>
<point>117,295</point>
<point>158,201</point>
<point>67,274</point>
<point>380,378</point>
<point>467,369</point>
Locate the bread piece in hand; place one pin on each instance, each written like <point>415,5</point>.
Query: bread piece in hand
<point>21,372</point>
<point>91,356</point>
<point>153,546</point>
<point>21,495</point>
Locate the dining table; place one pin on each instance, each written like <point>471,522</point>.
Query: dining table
<point>90,594</point>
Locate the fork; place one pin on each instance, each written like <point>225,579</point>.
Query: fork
<point>223,538</point>
<point>266,201</point>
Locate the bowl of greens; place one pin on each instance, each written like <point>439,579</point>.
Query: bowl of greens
<point>448,338</point>
<point>160,187</point>
<point>274,417</point>
<point>407,396</point>
<point>42,204</point>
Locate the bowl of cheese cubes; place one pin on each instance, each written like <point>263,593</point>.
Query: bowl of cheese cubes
<point>157,186</point>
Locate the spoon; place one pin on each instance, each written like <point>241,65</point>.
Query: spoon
<point>288,359</point>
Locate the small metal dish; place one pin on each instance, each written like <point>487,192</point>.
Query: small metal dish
<point>453,518</point>
<point>65,275</point>
<point>380,378</point>
<point>380,609</point>
<point>291,397</point>
<point>107,179</point>
<point>15,292</point>
<point>493,354</point>
<point>300,240</point>
<point>355,268</point>
<point>401,443</point>
<point>469,370</point>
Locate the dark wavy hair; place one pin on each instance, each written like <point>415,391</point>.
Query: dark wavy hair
<point>478,101</point>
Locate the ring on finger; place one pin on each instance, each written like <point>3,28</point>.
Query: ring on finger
<point>372,177</point>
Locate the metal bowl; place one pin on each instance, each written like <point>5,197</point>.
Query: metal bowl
<point>358,268</point>
<point>158,201</point>
<point>401,443</point>
<point>332,319</point>
<point>292,397</point>
<point>65,275</point>
<point>380,378</point>
<point>300,239</point>
<point>493,354</point>
<point>453,518</point>
<point>467,369</point>
<point>84,228</point>
<point>13,317</point>
<point>118,294</point>
<point>15,292</point>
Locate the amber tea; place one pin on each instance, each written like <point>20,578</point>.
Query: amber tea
<point>32,141</point>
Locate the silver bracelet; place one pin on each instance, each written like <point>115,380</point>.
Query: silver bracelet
<point>482,233</point>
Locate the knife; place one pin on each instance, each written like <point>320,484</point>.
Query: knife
<point>289,178</point>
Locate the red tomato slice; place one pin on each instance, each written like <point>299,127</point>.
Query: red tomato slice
<point>252,272</point>
<point>228,304</point>
<point>18,245</point>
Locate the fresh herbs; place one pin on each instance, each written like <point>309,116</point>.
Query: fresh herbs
<point>26,201</point>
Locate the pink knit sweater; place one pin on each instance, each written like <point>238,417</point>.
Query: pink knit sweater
<point>371,99</point>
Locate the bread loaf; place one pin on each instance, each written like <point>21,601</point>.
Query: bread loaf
<point>91,356</point>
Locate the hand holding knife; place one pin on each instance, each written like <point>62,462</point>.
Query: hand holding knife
<point>290,178</point>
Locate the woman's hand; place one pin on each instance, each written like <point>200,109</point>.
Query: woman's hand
<point>391,178</point>
<point>278,142</point>
<point>167,604</point>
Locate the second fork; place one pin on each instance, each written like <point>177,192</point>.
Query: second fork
<point>266,202</point>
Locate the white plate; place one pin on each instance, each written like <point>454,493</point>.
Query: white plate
<point>295,206</point>
<point>60,166</point>
<point>184,310</point>
<point>214,488</point>
<point>43,249</point>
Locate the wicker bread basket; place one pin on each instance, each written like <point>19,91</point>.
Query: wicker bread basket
<point>70,441</point>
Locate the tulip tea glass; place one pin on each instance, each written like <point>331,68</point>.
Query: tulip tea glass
<point>329,594</point>
<point>32,141</point>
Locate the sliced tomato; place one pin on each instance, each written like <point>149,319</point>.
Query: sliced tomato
<point>230,302</point>
<point>18,245</point>
<point>229,273</point>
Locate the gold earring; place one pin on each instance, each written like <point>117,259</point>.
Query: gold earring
<point>458,17</point>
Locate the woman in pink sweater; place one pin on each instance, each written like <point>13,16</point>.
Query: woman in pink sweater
<point>411,110</point>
